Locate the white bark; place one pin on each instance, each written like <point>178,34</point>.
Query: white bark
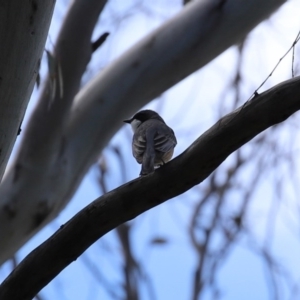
<point>24,27</point>
<point>34,172</point>
<point>45,176</point>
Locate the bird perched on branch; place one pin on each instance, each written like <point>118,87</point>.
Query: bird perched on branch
<point>153,141</point>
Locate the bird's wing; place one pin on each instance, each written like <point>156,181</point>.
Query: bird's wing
<point>159,138</point>
<point>138,147</point>
<point>164,140</point>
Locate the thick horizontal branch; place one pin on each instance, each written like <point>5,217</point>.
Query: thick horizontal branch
<point>138,196</point>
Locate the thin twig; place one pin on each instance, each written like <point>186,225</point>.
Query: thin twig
<point>287,52</point>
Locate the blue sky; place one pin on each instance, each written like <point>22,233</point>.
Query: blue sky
<point>243,275</point>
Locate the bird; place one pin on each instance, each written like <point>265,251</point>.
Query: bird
<point>153,140</point>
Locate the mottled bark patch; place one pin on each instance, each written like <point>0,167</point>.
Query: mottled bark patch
<point>17,171</point>
<point>43,210</point>
<point>9,210</point>
<point>34,8</point>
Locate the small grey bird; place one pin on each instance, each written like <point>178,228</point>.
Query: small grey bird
<point>153,141</point>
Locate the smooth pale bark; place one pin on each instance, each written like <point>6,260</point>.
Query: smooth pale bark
<point>47,174</point>
<point>133,198</point>
<point>24,27</point>
<point>27,193</point>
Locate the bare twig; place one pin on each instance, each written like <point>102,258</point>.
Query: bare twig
<point>285,54</point>
<point>100,40</point>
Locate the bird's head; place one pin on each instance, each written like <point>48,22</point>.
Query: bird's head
<point>143,116</point>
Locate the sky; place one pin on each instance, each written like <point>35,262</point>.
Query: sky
<point>171,265</point>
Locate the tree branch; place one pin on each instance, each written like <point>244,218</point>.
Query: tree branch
<point>51,164</point>
<point>23,31</point>
<point>130,200</point>
<point>43,141</point>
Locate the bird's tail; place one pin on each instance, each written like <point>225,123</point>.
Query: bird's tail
<point>149,156</point>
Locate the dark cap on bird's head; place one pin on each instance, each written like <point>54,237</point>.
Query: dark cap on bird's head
<point>145,115</point>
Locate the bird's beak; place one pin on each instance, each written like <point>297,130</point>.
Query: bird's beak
<point>127,121</point>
